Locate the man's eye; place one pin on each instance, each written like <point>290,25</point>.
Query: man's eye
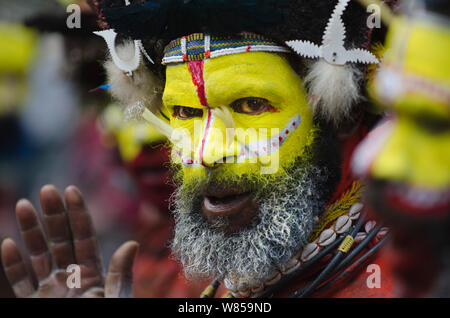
<point>183,112</point>
<point>251,106</point>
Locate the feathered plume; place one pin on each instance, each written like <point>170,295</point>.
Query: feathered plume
<point>141,96</point>
<point>142,86</point>
<point>333,79</point>
<point>333,89</point>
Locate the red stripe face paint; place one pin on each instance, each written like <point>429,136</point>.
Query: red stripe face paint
<point>196,68</point>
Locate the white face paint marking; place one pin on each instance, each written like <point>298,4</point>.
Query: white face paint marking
<point>206,134</point>
<point>256,149</point>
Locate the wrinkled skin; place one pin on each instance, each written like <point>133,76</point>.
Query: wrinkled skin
<point>69,239</point>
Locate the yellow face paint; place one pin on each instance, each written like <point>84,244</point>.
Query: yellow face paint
<point>415,155</point>
<point>225,82</point>
<point>416,68</point>
<point>131,138</point>
<point>17,47</point>
<point>414,83</point>
<point>17,52</point>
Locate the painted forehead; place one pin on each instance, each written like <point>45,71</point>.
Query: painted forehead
<point>211,83</point>
<point>198,50</point>
<point>221,81</point>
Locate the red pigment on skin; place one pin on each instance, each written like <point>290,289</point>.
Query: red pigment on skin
<point>272,109</point>
<point>196,69</point>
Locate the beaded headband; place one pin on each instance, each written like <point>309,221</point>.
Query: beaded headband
<point>201,46</point>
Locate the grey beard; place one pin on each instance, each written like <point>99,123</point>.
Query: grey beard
<point>288,207</point>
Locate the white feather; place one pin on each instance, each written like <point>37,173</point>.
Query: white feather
<point>141,96</point>
<point>141,87</point>
<point>333,89</point>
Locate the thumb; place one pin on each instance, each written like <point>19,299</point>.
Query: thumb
<point>119,280</point>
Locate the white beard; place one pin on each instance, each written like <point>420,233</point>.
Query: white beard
<point>288,207</point>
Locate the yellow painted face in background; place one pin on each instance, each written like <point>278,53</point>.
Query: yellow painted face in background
<point>130,136</point>
<point>249,108</point>
<point>414,83</point>
<point>17,51</point>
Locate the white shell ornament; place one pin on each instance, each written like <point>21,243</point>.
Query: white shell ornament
<point>343,224</point>
<point>275,278</point>
<point>291,266</point>
<point>327,237</point>
<point>360,236</point>
<point>127,66</point>
<point>369,226</point>
<point>309,252</point>
<point>355,210</point>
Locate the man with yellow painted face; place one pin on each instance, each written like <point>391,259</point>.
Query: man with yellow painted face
<point>263,104</point>
<point>407,157</point>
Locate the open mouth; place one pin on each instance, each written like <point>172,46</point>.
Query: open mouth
<point>237,207</point>
<point>226,205</point>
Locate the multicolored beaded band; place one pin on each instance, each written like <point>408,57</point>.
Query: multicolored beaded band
<point>199,46</point>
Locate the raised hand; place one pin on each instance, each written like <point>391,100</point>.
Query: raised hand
<point>70,239</point>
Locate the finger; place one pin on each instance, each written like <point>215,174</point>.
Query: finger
<point>34,239</point>
<point>120,276</point>
<point>84,237</point>
<point>15,269</point>
<point>57,225</point>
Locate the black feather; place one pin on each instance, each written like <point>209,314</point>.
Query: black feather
<point>169,19</point>
<point>156,22</point>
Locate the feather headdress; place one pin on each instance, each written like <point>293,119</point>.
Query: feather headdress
<point>332,37</point>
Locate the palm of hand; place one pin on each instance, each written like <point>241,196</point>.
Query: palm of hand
<point>70,240</point>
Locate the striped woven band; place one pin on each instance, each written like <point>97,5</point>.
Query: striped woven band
<point>201,46</point>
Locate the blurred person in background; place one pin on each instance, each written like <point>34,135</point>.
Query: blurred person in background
<point>406,159</point>
<point>49,118</point>
<point>17,50</point>
<point>145,154</point>
<point>60,122</point>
